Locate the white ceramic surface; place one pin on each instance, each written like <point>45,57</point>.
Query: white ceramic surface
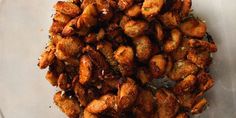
<point>24,33</point>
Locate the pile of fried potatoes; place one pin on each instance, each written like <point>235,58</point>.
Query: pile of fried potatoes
<point>105,54</point>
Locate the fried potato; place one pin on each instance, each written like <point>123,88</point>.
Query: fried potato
<point>67,8</point>
<point>157,65</point>
<point>69,106</point>
<point>205,81</point>
<point>133,11</point>
<point>182,115</point>
<point>124,55</point>
<point>144,75</point>
<point>143,48</point>
<point>104,10</point>
<point>63,82</point>
<point>47,56</point>
<point>80,91</point>
<point>193,27</point>
<point>85,3</point>
<point>69,29</point>
<point>174,41</point>
<point>199,106</point>
<point>181,52</point>
<point>181,69</point>
<point>56,27</point>
<point>135,28</point>
<point>87,114</point>
<point>170,19</point>
<point>209,46</point>
<point>186,85</point>
<point>151,8</point>
<point>85,69</point>
<point>166,103</point>
<point>186,7</point>
<point>201,58</point>
<point>159,32</point>
<point>124,4</point>
<point>52,78</point>
<point>61,18</point>
<point>145,101</point>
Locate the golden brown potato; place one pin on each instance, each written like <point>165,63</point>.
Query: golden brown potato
<point>201,58</point>
<point>80,91</point>
<point>133,11</point>
<point>144,75</point>
<point>68,47</point>
<point>186,7</point>
<point>187,100</point>
<point>52,78</point>
<point>127,94</point>
<point>151,8</point>
<point>159,32</point>
<point>199,106</point>
<point>124,55</point>
<point>55,38</point>
<point>63,82</point>
<point>182,51</point>
<point>143,48</point>
<point>85,3</point>
<point>124,4</point>
<point>69,106</point>
<point>98,59</point>
<point>181,69</point>
<point>166,103</point>
<point>56,27</point>
<point>87,114</point>
<point>47,57</point>
<point>67,8</point>
<point>174,41</point>
<point>69,29</point>
<point>186,85</point>
<point>209,46</point>
<point>205,81</point>
<point>182,115</point>
<point>61,18</point>
<point>135,28</point>
<point>193,27</point>
<point>170,19</point>
<point>124,21</point>
<point>85,69</point>
<point>104,10</point>
<point>88,18</point>
<point>157,65</point>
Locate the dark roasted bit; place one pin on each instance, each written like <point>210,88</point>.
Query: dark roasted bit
<point>63,82</point>
<point>166,103</point>
<point>67,8</point>
<point>69,106</point>
<point>186,85</point>
<point>193,27</point>
<point>145,101</point>
<point>80,91</point>
<point>182,115</point>
<point>205,81</point>
<point>144,75</point>
<point>104,10</point>
<point>199,106</point>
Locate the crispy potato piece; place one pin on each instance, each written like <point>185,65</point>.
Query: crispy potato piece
<point>63,82</point>
<point>124,55</point>
<point>205,81</point>
<point>182,51</point>
<point>151,8</point>
<point>144,75</point>
<point>170,19</point>
<point>80,91</point>
<point>69,29</point>
<point>145,101</point>
<point>68,47</point>
<point>137,111</point>
<point>85,3</point>
<point>100,35</point>
<point>87,114</point>
<point>166,103</point>
<point>98,60</point>
<point>186,8</point>
<point>187,100</point>
<point>174,41</point>
<point>95,37</point>
<point>143,48</point>
<point>209,46</point>
<point>133,11</point>
<point>181,69</point>
<point>199,106</point>
<point>159,32</point>
<point>52,78</point>
<point>106,49</point>
<point>124,4</point>
<point>104,10</point>
<point>193,27</point>
<point>157,65</point>
<point>56,27</point>
<point>201,58</point>
<point>176,5</point>
<point>124,21</point>
<point>113,3</point>
<point>85,69</point>
<point>135,28</point>
<point>55,38</point>
<point>61,18</point>
<point>67,8</point>
<point>47,57</point>
<point>127,94</point>
<point>186,85</point>
<point>182,115</point>
<point>88,18</point>
<point>69,106</point>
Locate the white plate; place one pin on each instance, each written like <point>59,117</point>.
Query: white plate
<point>24,33</point>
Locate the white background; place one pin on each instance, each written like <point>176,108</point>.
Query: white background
<point>24,33</point>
